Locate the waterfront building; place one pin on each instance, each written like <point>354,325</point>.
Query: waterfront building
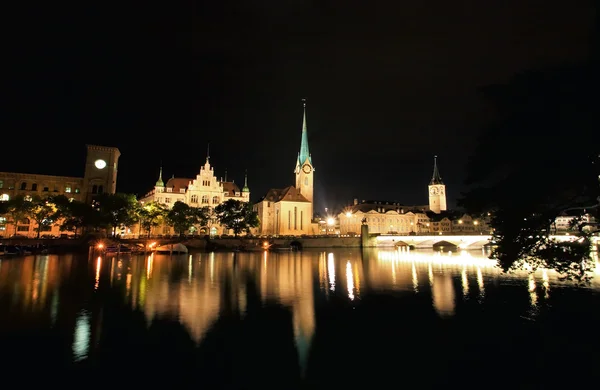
<point>100,176</point>
<point>383,217</point>
<point>289,210</point>
<point>205,190</point>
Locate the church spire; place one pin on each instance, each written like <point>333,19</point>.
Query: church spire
<point>304,152</point>
<point>159,182</point>
<point>246,189</point>
<point>436,178</point>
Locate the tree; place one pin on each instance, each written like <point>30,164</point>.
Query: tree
<point>237,216</point>
<point>42,211</point>
<point>17,209</point>
<point>182,217</point>
<point>151,215</point>
<point>116,210</point>
<point>72,214</point>
<point>537,160</point>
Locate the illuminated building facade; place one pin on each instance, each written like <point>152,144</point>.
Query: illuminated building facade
<point>205,190</point>
<point>100,176</point>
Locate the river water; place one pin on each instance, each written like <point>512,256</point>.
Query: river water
<point>310,319</point>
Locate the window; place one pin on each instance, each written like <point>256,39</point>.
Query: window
<point>100,189</point>
<point>94,189</point>
<point>23,228</point>
<point>194,199</point>
<point>167,200</point>
<point>204,199</point>
<point>1,184</point>
<point>34,187</point>
<point>77,190</point>
<point>215,200</point>
<point>4,197</point>
<point>301,220</point>
<point>68,189</point>
<point>23,186</point>
<point>289,219</point>
<point>27,198</point>
<point>306,181</point>
<point>295,218</point>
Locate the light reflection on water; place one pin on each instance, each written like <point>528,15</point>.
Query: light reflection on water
<point>199,288</point>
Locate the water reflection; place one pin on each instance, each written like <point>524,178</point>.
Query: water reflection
<point>198,289</point>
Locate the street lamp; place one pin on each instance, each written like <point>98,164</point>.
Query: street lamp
<point>330,223</point>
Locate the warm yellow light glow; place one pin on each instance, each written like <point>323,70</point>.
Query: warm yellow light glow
<point>331,271</point>
<point>98,265</point>
<point>348,214</point>
<point>330,221</point>
<point>149,266</point>
<point>100,246</point>
<point>350,280</point>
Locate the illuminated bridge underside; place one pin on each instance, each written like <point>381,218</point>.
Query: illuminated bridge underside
<point>461,242</point>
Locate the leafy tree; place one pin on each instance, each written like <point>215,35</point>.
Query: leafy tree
<point>17,209</point>
<point>72,214</point>
<point>237,216</point>
<point>42,211</point>
<point>116,210</point>
<point>151,215</point>
<point>536,161</point>
<point>182,217</point>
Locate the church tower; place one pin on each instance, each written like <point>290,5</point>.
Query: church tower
<point>437,190</point>
<point>304,169</point>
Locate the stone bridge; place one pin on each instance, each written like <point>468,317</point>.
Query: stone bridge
<point>433,241</point>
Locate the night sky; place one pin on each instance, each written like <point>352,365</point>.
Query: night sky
<point>388,85</point>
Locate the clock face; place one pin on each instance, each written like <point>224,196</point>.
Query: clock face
<point>306,168</point>
<point>100,164</point>
<point>433,191</point>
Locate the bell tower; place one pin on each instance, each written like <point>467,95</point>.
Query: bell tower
<point>100,171</point>
<point>304,168</point>
<point>437,190</point>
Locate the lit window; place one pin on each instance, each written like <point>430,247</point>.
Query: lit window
<point>4,197</point>
<point>1,184</point>
<point>77,190</point>
<point>68,190</point>
<point>28,198</point>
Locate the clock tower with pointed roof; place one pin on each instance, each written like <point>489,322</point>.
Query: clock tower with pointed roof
<point>437,190</point>
<point>304,168</point>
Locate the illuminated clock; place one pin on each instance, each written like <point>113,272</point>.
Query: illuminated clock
<point>306,168</point>
<point>433,191</point>
<point>100,164</point>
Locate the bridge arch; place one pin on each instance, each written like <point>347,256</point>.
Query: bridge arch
<point>444,245</point>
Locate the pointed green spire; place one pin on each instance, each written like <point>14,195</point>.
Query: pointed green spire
<point>436,178</point>
<point>246,189</point>
<point>304,152</point>
<point>159,182</point>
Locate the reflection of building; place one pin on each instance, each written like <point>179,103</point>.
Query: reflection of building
<point>289,211</point>
<point>205,190</point>
<point>442,291</point>
<point>100,175</point>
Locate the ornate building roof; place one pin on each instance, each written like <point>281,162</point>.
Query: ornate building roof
<point>178,183</point>
<point>230,188</point>
<point>288,194</point>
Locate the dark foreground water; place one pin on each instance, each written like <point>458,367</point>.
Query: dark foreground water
<point>322,319</point>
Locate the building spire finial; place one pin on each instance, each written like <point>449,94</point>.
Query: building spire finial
<point>159,182</point>
<point>246,189</point>
<point>436,178</point>
<point>304,151</point>
<point>207,151</point>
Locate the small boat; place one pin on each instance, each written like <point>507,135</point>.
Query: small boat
<point>172,248</point>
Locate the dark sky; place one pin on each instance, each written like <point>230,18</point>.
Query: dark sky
<point>388,85</point>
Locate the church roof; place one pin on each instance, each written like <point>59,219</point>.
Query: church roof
<point>288,194</point>
<point>177,183</point>
<point>230,188</point>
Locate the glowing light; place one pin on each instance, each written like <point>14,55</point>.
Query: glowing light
<point>100,246</point>
<point>98,265</point>
<point>348,214</point>
<point>330,221</point>
<point>480,284</point>
<point>350,280</point>
<point>331,271</point>
<point>465,282</point>
<point>532,290</point>
<point>415,279</point>
<point>149,266</point>
<point>100,164</point>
